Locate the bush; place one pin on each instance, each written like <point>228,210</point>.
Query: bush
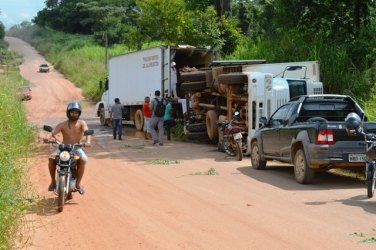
<point>16,138</point>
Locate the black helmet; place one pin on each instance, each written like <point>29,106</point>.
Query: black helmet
<point>76,107</point>
<point>353,124</point>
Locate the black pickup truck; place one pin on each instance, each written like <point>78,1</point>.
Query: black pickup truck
<point>309,133</point>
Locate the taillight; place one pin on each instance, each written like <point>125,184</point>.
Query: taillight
<point>325,136</point>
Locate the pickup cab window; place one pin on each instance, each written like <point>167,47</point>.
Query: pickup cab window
<point>280,117</point>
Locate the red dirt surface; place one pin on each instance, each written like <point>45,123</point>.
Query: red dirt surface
<point>133,204</point>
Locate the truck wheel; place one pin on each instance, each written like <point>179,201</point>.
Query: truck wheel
<point>194,76</point>
<point>211,125</point>
<point>196,127</point>
<point>232,78</point>
<point>139,120</point>
<point>303,173</point>
<point>193,85</point>
<point>257,162</point>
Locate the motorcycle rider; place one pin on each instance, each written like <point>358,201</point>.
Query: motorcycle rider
<point>72,130</point>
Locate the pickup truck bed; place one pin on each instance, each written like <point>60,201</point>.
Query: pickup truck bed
<point>309,132</point>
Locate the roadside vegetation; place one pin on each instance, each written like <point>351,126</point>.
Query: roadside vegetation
<point>16,140</point>
<point>341,39</point>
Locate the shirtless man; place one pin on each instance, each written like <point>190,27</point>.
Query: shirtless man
<point>72,130</point>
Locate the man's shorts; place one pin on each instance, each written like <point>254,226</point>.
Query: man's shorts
<point>78,151</point>
<point>147,124</point>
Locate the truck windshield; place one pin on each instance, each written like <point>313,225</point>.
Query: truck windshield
<point>297,87</point>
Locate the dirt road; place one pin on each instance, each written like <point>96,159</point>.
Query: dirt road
<point>133,204</point>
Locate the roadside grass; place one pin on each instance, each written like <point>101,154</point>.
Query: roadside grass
<point>16,143</point>
<point>162,162</point>
<point>211,171</point>
<point>366,238</point>
<point>142,146</point>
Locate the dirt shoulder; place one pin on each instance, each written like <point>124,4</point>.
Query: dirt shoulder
<point>133,203</point>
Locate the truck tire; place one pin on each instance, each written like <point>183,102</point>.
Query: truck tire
<point>257,162</point>
<point>303,173</point>
<point>195,76</point>
<point>196,127</point>
<point>139,120</point>
<point>193,85</point>
<point>211,125</point>
<point>232,78</point>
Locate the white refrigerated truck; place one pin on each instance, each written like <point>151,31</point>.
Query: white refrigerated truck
<point>135,75</point>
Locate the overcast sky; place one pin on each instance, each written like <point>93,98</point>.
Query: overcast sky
<point>16,11</point>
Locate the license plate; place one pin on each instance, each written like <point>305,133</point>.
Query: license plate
<point>357,157</point>
<point>238,136</point>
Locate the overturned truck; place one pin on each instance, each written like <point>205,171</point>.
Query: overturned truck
<point>253,88</point>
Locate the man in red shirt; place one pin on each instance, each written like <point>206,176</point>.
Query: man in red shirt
<point>147,115</point>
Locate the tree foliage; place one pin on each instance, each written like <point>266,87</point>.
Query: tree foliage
<point>276,30</point>
<point>2,30</point>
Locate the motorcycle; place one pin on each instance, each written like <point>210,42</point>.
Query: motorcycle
<point>232,142</point>
<point>353,126</point>
<point>67,163</point>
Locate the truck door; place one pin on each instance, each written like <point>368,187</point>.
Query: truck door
<point>166,67</point>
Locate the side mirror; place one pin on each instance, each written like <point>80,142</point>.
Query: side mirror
<point>353,124</point>
<point>89,132</point>
<point>237,114</point>
<point>47,128</point>
<point>263,120</point>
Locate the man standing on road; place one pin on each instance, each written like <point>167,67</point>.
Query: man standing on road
<point>116,115</point>
<point>158,107</point>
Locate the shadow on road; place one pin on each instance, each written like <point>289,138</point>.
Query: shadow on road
<point>282,176</point>
<point>47,206</point>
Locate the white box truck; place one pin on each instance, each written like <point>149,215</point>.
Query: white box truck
<point>135,75</point>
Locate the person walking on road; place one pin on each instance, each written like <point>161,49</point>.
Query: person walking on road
<point>147,116</point>
<point>116,115</point>
<point>158,107</point>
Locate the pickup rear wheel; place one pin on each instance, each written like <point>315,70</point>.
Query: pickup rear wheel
<point>257,161</point>
<point>303,173</point>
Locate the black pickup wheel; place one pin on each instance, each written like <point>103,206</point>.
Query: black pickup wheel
<point>303,173</point>
<point>257,161</point>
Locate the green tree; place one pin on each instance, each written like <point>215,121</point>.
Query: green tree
<point>2,30</point>
<point>161,19</point>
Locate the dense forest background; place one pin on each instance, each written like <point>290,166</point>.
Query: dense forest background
<point>341,34</point>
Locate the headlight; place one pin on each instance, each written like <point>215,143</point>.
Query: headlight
<point>64,156</point>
